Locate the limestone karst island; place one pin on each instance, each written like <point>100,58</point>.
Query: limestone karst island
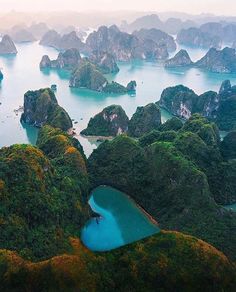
<point>117,146</point>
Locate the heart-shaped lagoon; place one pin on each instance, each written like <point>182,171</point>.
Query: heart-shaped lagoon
<point>121,221</point>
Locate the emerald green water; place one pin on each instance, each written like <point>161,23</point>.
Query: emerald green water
<point>22,73</point>
<point>121,221</point>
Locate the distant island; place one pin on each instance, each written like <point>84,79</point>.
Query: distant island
<point>70,59</point>
<point>7,46</point>
<point>87,75</point>
<point>62,42</point>
<point>126,47</point>
<point>216,61</point>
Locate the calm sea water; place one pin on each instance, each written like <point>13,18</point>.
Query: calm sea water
<point>22,73</point>
<point>121,221</point>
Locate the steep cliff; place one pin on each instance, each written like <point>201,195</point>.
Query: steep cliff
<point>112,121</point>
<point>41,107</point>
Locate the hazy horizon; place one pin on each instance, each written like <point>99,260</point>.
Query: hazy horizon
<point>218,7</point>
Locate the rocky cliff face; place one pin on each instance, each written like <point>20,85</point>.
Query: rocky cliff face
<point>195,37</point>
<point>112,121</point>
<point>124,46</point>
<point>181,59</point>
<point>70,59</point>
<point>7,46</point>
<point>179,100</point>
<point>145,119</point>
<point>104,61</point>
<point>219,61</point>
<point>41,107</point>
<point>158,36</point>
<point>219,107</point>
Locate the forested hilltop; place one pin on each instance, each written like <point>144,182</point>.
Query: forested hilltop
<point>44,193</point>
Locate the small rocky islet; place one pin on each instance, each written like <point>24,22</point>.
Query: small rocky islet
<point>88,76</point>
<point>181,59</point>
<point>41,107</point>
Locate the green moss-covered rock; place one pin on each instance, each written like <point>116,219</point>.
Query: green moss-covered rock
<point>208,131</point>
<point>167,185</point>
<point>41,107</point>
<point>144,120</point>
<point>112,121</point>
<point>228,146</point>
<point>42,195</point>
<point>115,88</point>
<point>218,107</point>
<point>179,100</point>
<point>167,261</point>
<point>157,136</point>
<point>88,75</point>
<point>173,124</point>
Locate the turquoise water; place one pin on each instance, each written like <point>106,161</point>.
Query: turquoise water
<point>121,221</point>
<point>22,73</point>
<point>231,207</point>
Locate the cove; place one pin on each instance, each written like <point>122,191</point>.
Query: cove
<point>121,222</point>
